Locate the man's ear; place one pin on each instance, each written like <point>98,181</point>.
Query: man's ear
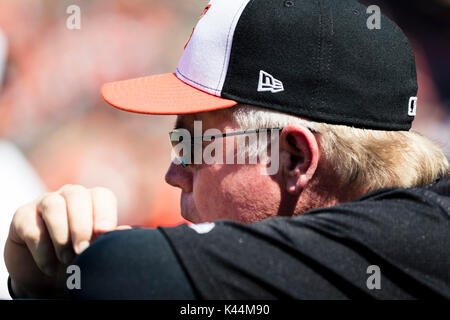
<point>299,156</point>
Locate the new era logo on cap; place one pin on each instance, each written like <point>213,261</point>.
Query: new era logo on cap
<point>268,83</point>
<point>303,47</point>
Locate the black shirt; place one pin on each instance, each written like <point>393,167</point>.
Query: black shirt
<point>325,253</point>
<point>328,253</point>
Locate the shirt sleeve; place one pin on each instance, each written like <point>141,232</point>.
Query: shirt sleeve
<point>131,264</point>
<point>327,253</point>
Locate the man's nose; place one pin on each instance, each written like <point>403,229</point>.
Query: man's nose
<point>179,176</point>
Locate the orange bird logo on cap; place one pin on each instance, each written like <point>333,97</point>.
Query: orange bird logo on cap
<point>205,11</point>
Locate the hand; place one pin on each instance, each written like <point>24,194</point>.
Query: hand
<point>48,233</point>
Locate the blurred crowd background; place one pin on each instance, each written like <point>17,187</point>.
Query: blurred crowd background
<point>50,103</point>
<point>52,113</point>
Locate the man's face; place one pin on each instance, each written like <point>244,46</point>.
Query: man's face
<point>211,192</point>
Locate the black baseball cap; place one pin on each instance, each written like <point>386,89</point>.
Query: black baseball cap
<point>316,59</point>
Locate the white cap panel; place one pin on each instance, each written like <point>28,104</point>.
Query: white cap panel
<point>204,63</point>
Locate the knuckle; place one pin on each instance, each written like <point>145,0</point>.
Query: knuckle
<point>49,203</point>
<point>30,234</point>
<point>100,190</point>
<point>20,213</point>
<point>21,218</point>
<point>73,190</point>
<point>65,187</point>
<point>103,192</point>
<point>27,225</point>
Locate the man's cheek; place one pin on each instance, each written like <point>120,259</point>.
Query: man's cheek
<point>207,200</point>
<point>208,197</point>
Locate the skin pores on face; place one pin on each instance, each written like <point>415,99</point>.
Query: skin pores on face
<point>236,192</point>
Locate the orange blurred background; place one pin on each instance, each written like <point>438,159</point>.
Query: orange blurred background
<point>50,103</point>
<point>51,109</point>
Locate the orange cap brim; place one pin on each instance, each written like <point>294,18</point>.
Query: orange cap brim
<point>162,94</point>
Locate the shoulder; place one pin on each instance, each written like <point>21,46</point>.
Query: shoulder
<point>400,230</point>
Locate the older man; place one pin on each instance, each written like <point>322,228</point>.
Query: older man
<point>327,104</point>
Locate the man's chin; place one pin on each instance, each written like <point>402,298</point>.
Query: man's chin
<point>188,217</point>
<point>188,211</point>
<point>191,216</point>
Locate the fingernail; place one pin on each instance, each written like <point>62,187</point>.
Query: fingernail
<point>67,256</point>
<point>123,228</point>
<point>82,246</point>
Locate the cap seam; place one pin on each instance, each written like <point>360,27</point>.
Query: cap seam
<point>316,93</point>
<point>330,47</point>
<point>194,82</point>
<point>228,41</point>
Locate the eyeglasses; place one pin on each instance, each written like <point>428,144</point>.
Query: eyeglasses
<point>179,135</point>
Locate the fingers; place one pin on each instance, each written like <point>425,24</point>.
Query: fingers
<point>79,215</point>
<point>54,213</point>
<point>41,248</point>
<point>58,225</point>
<point>29,229</point>
<point>105,210</point>
<point>89,212</point>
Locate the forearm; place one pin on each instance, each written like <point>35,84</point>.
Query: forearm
<point>134,264</point>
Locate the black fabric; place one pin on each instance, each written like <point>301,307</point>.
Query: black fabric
<point>322,254</point>
<point>10,290</point>
<point>325,253</point>
<point>333,68</point>
<point>131,264</point>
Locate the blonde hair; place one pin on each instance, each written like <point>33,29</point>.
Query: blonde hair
<point>365,159</point>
